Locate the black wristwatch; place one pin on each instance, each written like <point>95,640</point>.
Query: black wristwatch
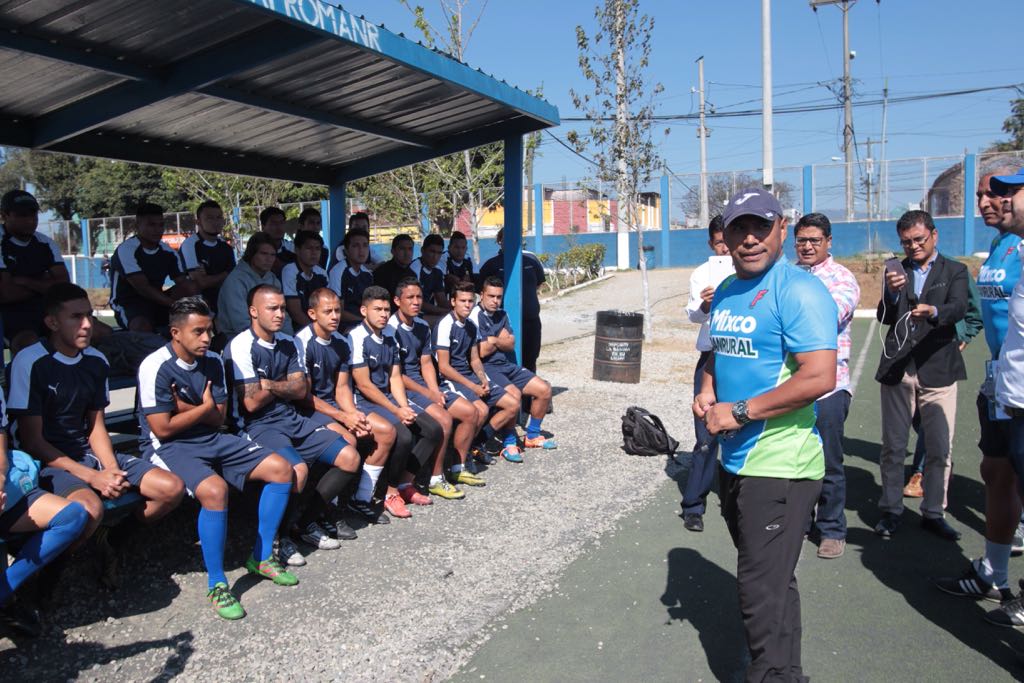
<point>739,412</point>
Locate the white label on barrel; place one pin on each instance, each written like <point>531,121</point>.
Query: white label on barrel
<point>617,350</point>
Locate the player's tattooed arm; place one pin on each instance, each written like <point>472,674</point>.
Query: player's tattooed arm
<point>294,388</point>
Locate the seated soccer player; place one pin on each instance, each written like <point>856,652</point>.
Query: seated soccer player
<point>302,276</point>
<point>457,267</point>
<point>273,225</point>
<point>268,377</point>
<point>388,274</point>
<point>424,394</point>
<point>456,348</point>
<point>431,277</point>
<point>183,397</point>
<point>497,347</point>
<point>311,220</point>
<point>205,255</point>
<point>58,393</point>
<point>379,389</point>
<point>30,263</point>
<point>53,522</point>
<point>254,269</point>
<point>350,276</point>
<point>360,221</point>
<point>139,268</point>
<point>326,355</point>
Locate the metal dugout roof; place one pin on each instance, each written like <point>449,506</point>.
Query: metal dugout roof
<point>292,89</point>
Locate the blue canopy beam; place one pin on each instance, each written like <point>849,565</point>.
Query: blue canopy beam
<point>13,39</point>
<point>220,62</point>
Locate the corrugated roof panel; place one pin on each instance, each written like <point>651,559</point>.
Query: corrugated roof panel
<point>34,86</point>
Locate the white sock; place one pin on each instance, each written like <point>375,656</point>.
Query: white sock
<point>436,479</point>
<point>456,469</point>
<point>994,565</point>
<point>368,482</point>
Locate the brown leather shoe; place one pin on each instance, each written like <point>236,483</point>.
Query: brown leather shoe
<point>913,488</point>
<point>831,548</point>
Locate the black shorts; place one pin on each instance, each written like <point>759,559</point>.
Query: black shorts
<point>18,510</point>
<point>153,312</point>
<point>16,322</point>
<point>995,434</point>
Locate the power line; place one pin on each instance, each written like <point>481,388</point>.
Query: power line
<point>569,147</point>
<point>802,109</point>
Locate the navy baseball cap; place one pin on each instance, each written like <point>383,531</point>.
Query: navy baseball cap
<point>1001,184</point>
<point>752,202</point>
<point>18,200</point>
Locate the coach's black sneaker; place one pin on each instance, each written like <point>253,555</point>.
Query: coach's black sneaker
<point>693,521</point>
<point>368,512</point>
<point>971,585</point>
<point>20,618</point>
<point>338,529</point>
<point>887,525</point>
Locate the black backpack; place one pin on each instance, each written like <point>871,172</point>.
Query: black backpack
<point>644,434</point>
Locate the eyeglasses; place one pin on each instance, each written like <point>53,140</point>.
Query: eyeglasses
<point>813,241</point>
<point>915,241</point>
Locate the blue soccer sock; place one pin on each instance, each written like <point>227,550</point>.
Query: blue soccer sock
<point>533,427</point>
<point>43,547</point>
<point>213,533</point>
<point>509,438</point>
<point>273,502</point>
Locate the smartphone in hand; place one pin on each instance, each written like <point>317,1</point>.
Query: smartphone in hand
<point>893,265</point>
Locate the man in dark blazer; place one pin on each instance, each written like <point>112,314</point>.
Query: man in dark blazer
<point>920,366</point>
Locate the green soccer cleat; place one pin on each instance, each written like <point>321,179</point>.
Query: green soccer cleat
<point>446,490</point>
<point>224,602</point>
<point>271,569</point>
<point>467,478</point>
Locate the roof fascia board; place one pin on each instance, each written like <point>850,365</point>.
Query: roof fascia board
<point>358,32</point>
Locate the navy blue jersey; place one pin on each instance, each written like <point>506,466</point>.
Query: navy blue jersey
<point>298,285</point>
<point>324,359</point>
<point>163,368</point>
<point>215,257</point>
<point>491,325</point>
<point>158,265</point>
<point>61,389</point>
<point>379,353</point>
<point>32,258</point>
<point>251,359</point>
<point>462,270</point>
<point>458,338</point>
<point>533,277</point>
<point>431,279</point>
<point>349,284</point>
<point>413,343</point>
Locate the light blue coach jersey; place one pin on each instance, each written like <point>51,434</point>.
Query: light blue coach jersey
<point>756,327</point>
<point>996,280</point>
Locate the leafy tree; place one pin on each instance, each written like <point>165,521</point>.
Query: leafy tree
<point>614,59</point>
<point>1014,126</point>
<point>116,188</point>
<point>11,169</point>
<point>56,178</point>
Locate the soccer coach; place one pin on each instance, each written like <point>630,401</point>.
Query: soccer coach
<point>774,339</point>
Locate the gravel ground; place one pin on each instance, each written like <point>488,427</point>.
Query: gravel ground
<point>410,601</point>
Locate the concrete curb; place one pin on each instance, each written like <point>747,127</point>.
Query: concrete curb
<point>563,292</point>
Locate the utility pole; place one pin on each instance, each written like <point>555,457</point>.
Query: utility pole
<point>883,172</point>
<point>767,161</point>
<point>845,6</point>
<point>702,133</point>
<point>870,169</point>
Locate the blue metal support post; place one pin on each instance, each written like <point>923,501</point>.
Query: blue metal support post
<point>666,203</point>
<point>538,219</point>
<point>808,189</point>
<point>512,237</point>
<point>970,168</point>
<point>86,240</point>
<point>335,221</point>
<point>424,215</point>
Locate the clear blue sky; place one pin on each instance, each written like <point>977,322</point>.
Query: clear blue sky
<point>923,46</point>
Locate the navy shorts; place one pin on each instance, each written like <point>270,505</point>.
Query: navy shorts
<point>308,437</point>
<point>201,457</point>
<point>510,374</point>
<point>319,418</point>
<point>62,482</point>
<point>154,313</point>
<point>16,511</point>
<point>16,322</point>
<point>369,407</point>
<point>465,392</point>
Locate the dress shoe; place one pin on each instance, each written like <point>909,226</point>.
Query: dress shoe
<point>941,528</point>
<point>831,548</point>
<point>693,521</point>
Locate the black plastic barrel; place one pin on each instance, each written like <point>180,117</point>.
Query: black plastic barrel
<point>618,346</point>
